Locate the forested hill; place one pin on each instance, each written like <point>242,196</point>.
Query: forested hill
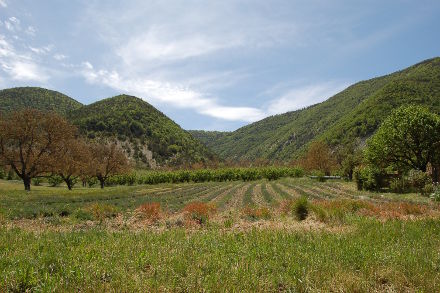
<point>133,120</point>
<point>147,135</point>
<point>356,112</point>
<point>36,98</point>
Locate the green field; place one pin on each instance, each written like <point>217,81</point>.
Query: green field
<point>92,239</point>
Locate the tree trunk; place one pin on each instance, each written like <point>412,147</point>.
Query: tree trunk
<point>69,184</point>
<point>350,175</point>
<point>102,181</point>
<point>27,183</point>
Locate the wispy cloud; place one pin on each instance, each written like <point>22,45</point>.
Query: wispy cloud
<point>159,45</point>
<point>19,66</point>
<point>59,57</point>
<point>303,96</point>
<point>170,94</point>
<point>3,3</point>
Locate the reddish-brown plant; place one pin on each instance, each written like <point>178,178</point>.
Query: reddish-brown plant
<point>199,212</point>
<point>150,211</point>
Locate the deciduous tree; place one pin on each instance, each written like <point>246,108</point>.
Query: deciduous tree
<point>108,160</point>
<point>30,141</point>
<point>72,161</point>
<point>408,139</point>
<point>319,158</point>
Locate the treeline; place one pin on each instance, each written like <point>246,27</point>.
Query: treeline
<point>206,175</point>
<point>34,144</point>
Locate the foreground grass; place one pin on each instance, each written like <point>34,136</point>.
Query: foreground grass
<point>352,241</point>
<point>395,255</point>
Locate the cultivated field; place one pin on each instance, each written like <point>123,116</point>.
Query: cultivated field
<point>247,238</point>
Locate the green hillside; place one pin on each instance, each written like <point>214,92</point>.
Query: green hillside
<point>148,136</point>
<point>209,138</point>
<point>36,98</point>
<point>141,129</point>
<point>355,112</point>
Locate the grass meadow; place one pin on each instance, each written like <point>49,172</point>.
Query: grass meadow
<point>216,237</point>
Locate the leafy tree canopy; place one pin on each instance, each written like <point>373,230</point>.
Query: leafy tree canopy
<point>407,139</point>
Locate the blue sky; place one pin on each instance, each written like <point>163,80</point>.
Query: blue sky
<point>214,65</point>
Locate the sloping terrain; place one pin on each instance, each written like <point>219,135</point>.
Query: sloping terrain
<point>356,112</point>
<point>147,135</point>
<point>36,98</point>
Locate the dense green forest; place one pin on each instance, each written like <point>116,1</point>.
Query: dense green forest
<point>37,98</point>
<point>147,135</point>
<point>132,119</point>
<point>356,112</point>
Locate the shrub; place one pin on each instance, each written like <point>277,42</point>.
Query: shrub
<point>257,213</point>
<point>199,212</point>
<point>54,180</point>
<point>419,180</point>
<point>150,211</point>
<point>102,211</point>
<point>400,185</point>
<point>369,178</point>
<point>11,175</point>
<point>36,181</point>
<point>301,208</point>
<point>92,181</point>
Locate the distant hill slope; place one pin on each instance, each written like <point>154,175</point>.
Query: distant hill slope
<point>148,136</point>
<point>37,98</point>
<point>356,112</point>
<point>209,138</point>
<point>143,131</point>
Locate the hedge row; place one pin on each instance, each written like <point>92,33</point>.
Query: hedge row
<point>205,175</point>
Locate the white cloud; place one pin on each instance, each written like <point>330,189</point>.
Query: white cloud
<point>59,57</point>
<point>170,94</point>
<point>42,50</point>
<point>12,24</point>
<point>18,66</point>
<point>304,96</point>
<point>3,3</point>
<point>162,45</point>
<point>24,71</point>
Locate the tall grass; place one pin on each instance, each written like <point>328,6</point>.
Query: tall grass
<point>392,256</point>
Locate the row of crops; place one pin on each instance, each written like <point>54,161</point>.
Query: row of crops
<point>206,175</point>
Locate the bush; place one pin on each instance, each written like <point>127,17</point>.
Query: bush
<point>36,181</point>
<point>257,213</point>
<point>400,185</point>
<point>199,212</point>
<point>2,173</point>
<point>301,208</point>
<point>92,181</point>
<point>419,180</point>
<point>54,180</point>
<point>102,211</point>
<point>11,175</point>
<point>149,211</point>
<point>369,178</point>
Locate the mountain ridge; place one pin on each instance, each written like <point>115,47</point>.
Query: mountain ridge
<point>355,112</point>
